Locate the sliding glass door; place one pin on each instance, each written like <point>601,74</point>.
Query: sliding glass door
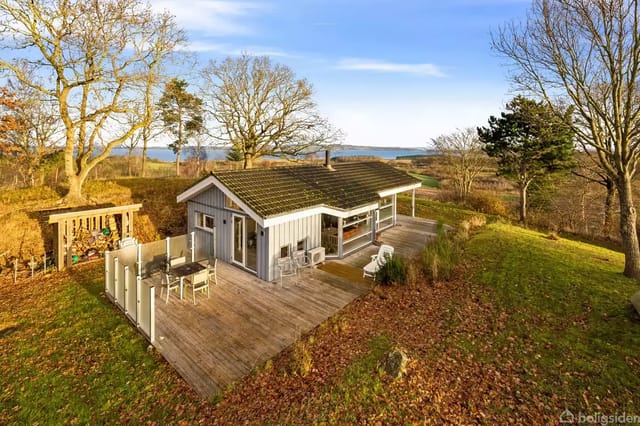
<point>245,242</point>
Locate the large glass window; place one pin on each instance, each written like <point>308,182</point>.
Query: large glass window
<point>356,232</point>
<point>385,213</point>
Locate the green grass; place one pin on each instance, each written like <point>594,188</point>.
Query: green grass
<point>449,213</point>
<point>427,181</point>
<point>570,324</point>
<point>74,358</point>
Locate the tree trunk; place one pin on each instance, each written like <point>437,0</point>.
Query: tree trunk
<point>607,225</point>
<point>144,153</point>
<point>178,161</point>
<point>248,162</point>
<point>74,178</point>
<point>129,162</point>
<point>74,196</point>
<point>628,228</point>
<point>523,202</point>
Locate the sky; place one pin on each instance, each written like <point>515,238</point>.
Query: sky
<point>386,72</point>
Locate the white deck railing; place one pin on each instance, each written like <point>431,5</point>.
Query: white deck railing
<point>124,272</point>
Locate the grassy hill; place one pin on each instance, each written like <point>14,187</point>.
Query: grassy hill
<point>528,326</point>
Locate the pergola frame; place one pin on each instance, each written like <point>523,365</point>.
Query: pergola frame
<point>66,226</point>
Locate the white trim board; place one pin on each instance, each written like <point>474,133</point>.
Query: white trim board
<point>393,191</point>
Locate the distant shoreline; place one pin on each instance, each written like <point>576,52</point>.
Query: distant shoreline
<point>214,153</point>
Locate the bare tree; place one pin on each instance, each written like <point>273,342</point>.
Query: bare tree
<point>587,52</point>
<point>589,168</point>
<point>134,140</point>
<point>29,129</point>
<point>92,51</point>
<point>262,109</point>
<point>464,153</point>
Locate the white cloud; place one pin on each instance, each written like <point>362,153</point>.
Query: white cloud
<point>210,17</point>
<point>405,122</point>
<point>359,64</point>
<point>201,46</point>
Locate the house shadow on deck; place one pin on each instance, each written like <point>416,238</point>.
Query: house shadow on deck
<point>247,320</point>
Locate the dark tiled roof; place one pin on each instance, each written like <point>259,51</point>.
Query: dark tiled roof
<point>271,192</point>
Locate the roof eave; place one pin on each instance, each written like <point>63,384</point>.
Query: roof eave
<point>399,189</point>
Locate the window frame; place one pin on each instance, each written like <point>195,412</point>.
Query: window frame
<point>201,221</point>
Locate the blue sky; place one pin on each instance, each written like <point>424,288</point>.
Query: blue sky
<point>387,73</point>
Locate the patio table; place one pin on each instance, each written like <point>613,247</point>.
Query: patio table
<point>186,270</point>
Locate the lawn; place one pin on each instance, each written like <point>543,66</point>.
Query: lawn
<point>68,356</point>
<point>427,181</point>
<point>449,213</point>
<point>569,324</point>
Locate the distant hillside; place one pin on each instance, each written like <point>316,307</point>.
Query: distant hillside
<point>375,148</point>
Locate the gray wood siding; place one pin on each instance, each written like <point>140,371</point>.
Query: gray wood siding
<point>211,202</point>
<point>289,233</point>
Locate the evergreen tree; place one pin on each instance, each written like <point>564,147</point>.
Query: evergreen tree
<point>529,140</point>
<point>182,115</point>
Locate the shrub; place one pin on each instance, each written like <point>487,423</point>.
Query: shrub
<point>413,272</point>
<point>488,203</point>
<point>393,271</point>
<point>301,359</point>
<point>440,256</point>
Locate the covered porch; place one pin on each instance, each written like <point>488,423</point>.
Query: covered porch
<point>408,237</point>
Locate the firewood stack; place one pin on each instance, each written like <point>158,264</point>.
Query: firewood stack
<point>89,245</point>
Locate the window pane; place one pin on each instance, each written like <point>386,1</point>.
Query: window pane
<point>209,222</point>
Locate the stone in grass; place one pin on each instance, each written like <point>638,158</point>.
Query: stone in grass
<point>635,301</point>
<point>395,363</point>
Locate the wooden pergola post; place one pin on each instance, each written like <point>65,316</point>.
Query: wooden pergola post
<point>413,202</point>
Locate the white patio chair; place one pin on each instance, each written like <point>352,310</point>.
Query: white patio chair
<point>287,268</point>
<point>212,270</point>
<point>169,282</point>
<point>198,282</point>
<point>300,259</point>
<point>177,261</point>
<point>377,260</point>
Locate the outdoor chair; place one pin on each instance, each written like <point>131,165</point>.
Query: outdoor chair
<point>177,261</point>
<point>300,259</point>
<point>287,268</point>
<point>169,282</point>
<point>212,270</point>
<point>198,282</point>
<point>377,260</point>
<point>126,242</point>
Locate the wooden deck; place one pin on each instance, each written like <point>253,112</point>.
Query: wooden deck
<point>245,322</point>
<point>407,238</point>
